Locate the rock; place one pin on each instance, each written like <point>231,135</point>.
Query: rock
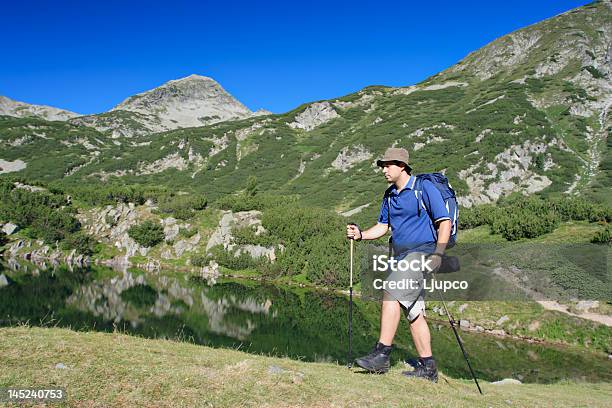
<point>229,220</point>
<point>315,115</point>
<point>462,307</point>
<point>498,332</point>
<point>464,324</point>
<point>9,228</point>
<point>533,326</point>
<point>3,281</point>
<point>273,369</point>
<point>167,254</point>
<point>349,156</point>
<point>257,251</point>
<point>585,305</point>
<point>61,366</point>
<point>171,229</point>
<point>502,320</point>
<point>479,329</point>
<point>506,381</point>
<point>532,355</point>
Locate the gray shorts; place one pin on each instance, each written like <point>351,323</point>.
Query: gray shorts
<point>410,298</point>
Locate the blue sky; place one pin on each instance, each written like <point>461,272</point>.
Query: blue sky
<point>89,56</point>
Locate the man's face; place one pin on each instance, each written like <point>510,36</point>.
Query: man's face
<point>392,171</point>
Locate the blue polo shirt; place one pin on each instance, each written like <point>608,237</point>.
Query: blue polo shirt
<point>412,232</point>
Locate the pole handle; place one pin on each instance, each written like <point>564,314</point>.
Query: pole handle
<point>351,268</point>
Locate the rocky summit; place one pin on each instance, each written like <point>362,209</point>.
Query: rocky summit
<point>187,102</point>
<point>192,101</point>
<point>527,113</point>
<point>18,109</point>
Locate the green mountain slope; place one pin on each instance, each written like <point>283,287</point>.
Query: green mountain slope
<point>528,112</point>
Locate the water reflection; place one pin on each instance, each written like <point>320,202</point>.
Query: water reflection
<point>259,318</point>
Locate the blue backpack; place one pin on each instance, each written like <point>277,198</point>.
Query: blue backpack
<point>448,195</point>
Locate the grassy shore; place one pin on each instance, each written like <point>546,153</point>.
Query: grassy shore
<point>114,369</point>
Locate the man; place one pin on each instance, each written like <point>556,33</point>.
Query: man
<point>415,232</point>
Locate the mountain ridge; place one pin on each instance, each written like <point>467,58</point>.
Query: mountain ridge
<point>538,125</point>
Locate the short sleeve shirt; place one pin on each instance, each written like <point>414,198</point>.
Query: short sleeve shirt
<point>412,232</point>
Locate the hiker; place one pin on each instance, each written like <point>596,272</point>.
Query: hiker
<point>421,225</point>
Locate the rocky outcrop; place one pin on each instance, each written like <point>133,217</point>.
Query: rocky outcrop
<point>111,224</point>
<point>350,156</point>
<point>229,220</point>
<point>187,102</point>
<point>314,116</point>
<point>9,228</point>
<point>39,253</point>
<point>10,107</point>
<point>11,166</point>
<point>244,219</point>
<point>509,171</point>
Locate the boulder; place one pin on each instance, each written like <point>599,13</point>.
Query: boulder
<point>506,381</point>
<point>586,305</point>
<point>9,228</point>
<point>502,320</point>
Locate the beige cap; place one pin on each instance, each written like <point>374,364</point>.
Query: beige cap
<point>394,154</point>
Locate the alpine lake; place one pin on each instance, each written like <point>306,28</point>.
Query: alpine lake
<point>262,318</point>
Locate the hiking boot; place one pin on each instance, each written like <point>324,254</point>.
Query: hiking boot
<point>377,361</point>
<point>427,370</point>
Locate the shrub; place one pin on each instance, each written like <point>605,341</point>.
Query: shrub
<point>83,243</point>
<point>199,260</point>
<point>3,238</point>
<point>187,232</point>
<point>52,226</point>
<point>603,237</point>
<point>181,204</point>
<point>327,260</point>
<point>524,224</point>
<point>476,216</point>
<point>147,234</point>
<point>230,261</point>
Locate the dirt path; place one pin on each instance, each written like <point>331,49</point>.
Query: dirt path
<point>595,317</point>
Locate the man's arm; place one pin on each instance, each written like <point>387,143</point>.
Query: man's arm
<point>377,231</point>
<point>444,230</point>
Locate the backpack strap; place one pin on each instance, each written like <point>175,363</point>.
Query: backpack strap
<point>388,198</point>
<point>418,193</point>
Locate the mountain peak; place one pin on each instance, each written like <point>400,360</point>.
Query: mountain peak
<point>187,102</point>
<point>193,77</point>
<point>18,109</point>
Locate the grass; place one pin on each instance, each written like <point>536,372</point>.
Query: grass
<point>114,369</point>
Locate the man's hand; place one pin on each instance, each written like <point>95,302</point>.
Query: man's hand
<point>436,261</point>
<point>353,232</point>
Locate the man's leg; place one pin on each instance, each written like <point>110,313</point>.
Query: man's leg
<point>420,335</point>
<point>378,360</point>
<point>390,315</point>
<point>426,366</point>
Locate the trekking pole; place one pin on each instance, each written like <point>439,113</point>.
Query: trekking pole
<point>452,324</point>
<point>350,329</point>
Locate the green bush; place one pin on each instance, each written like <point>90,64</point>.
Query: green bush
<point>110,194</point>
<point>147,234</point>
<point>327,260</point>
<point>246,202</point>
<point>230,261</point>
<point>524,224</point>
<point>519,217</point>
<point>603,237</point>
<point>199,260</point>
<point>187,232</point>
<point>181,206</point>
<point>83,243</point>
<point>477,216</point>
